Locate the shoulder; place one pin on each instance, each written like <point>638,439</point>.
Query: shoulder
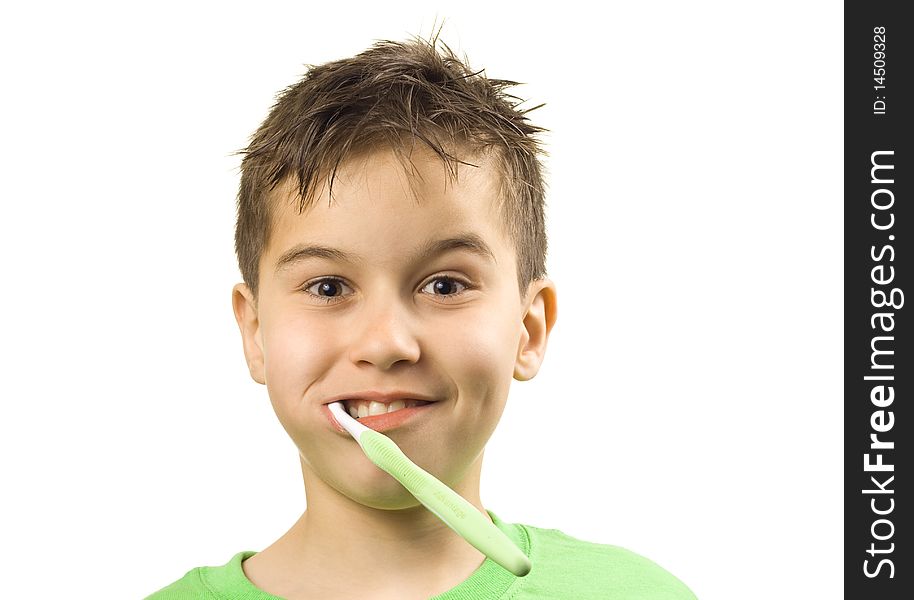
<point>598,570</point>
<point>188,587</point>
<point>211,583</point>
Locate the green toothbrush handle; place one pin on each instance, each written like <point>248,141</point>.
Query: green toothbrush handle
<point>445,503</point>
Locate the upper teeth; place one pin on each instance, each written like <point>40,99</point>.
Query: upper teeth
<point>364,408</point>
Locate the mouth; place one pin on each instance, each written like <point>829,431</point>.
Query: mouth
<point>360,408</point>
<point>381,411</point>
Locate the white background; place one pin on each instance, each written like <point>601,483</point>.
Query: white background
<point>690,404</point>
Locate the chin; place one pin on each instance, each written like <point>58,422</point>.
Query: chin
<point>384,497</point>
<point>372,487</point>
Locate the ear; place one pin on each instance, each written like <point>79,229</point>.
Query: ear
<point>539,318</point>
<point>245,308</point>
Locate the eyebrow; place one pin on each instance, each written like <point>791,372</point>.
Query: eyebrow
<point>464,241</point>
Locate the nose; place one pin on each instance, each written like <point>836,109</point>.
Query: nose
<point>384,336</point>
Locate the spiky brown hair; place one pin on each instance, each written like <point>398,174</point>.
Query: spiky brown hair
<point>394,93</point>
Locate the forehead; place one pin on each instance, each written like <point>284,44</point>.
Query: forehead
<point>385,208</point>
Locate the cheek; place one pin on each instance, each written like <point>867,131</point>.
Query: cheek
<point>297,352</point>
<point>484,351</point>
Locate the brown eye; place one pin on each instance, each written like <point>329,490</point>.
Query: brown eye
<point>327,289</point>
<point>445,286</point>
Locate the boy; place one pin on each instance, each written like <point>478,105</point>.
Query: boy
<point>392,243</point>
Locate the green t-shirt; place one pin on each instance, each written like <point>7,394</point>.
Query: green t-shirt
<point>563,567</point>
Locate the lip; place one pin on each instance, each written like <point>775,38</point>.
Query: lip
<point>384,421</point>
<point>375,396</point>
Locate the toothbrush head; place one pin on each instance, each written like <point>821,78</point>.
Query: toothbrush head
<point>354,428</point>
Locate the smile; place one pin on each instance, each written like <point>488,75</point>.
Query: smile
<point>359,408</point>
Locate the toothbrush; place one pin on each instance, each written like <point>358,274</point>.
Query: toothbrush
<point>446,504</point>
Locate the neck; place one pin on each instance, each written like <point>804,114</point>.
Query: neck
<point>340,548</point>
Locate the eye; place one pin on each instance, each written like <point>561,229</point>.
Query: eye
<point>447,287</point>
<point>328,289</point>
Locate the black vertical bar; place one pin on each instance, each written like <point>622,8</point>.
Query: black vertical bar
<point>878,369</point>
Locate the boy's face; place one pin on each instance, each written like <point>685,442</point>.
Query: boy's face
<point>375,311</point>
